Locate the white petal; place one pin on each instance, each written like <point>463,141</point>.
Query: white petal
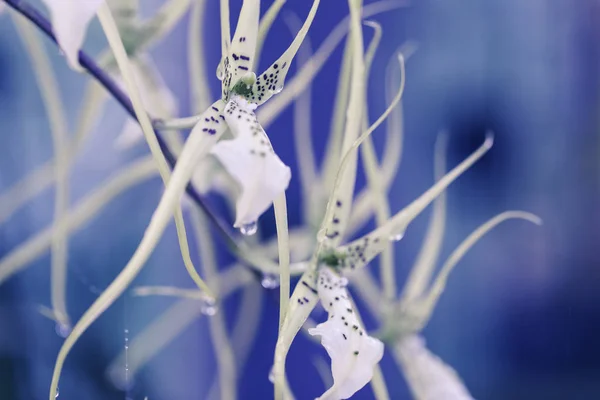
<point>70,19</point>
<point>157,98</point>
<point>251,161</point>
<point>243,45</point>
<point>428,377</point>
<point>353,353</point>
<point>130,135</point>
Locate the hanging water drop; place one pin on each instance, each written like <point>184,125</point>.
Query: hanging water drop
<point>278,88</point>
<point>57,393</point>
<point>249,229</point>
<point>209,307</point>
<point>62,330</point>
<point>220,71</point>
<point>270,281</point>
<point>397,237</point>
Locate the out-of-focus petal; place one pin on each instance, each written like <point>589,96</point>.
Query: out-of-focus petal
<point>70,19</point>
<point>428,377</point>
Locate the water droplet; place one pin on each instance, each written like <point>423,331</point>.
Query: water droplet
<point>220,71</point>
<point>270,281</point>
<point>271,376</point>
<point>343,281</point>
<point>209,307</point>
<point>62,330</point>
<point>249,229</point>
<point>57,393</point>
<point>278,88</point>
<point>397,237</point>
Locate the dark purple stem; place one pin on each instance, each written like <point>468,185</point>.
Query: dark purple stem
<point>104,79</point>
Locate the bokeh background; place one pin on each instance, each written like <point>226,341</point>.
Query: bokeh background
<point>520,318</point>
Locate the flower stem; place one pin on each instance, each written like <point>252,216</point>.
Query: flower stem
<point>110,85</point>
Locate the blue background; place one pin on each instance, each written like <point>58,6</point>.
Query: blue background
<point>520,317</point>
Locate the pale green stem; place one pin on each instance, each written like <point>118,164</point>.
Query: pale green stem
<point>158,223</point>
<point>268,112</point>
<point>169,291</point>
<point>421,272</point>
<point>164,170</point>
<point>84,211</point>
<point>218,330</point>
<point>200,89</point>
<point>440,282</point>
<point>60,136</point>
<point>165,20</point>
<point>350,155</point>
<point>302,126</point>
<point>281,223</point>
<point>342,193</point>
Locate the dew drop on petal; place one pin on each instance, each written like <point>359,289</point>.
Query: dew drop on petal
<point>220,71</point>
<point>343,282</point>
<point>249,229</point>
<point>397,237</point>
<point>278,88</point>
<point>62,330</point>
<point>208,307</point>
<point>270,281</point>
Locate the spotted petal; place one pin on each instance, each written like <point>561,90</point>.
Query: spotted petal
<point>157,98</point>
<point>271,81</point>
<point>359,252</point>
<point>353,352</point>
<point>70,19</point>
<point>251,161</point>
<point>243,46</point>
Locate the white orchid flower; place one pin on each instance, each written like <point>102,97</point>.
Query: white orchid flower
<point>70,19</point>
<point>353,352</point>
<point>428,377</point>
<point>249,157</point>
<point>251,161</point>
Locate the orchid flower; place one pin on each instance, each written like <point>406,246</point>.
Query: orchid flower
<point>248,157</point>
<point>353,352</point>
<point>70,19</point>
<point>428,376</point>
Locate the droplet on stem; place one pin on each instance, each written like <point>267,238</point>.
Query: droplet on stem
<point>397,237</point>
<point>209,307</point>
<point>62,330</point>
<point>270,281</point>
<point>249,229</point>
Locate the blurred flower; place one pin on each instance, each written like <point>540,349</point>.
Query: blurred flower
<point>70,19</point>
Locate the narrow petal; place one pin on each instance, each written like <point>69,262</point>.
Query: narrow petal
<point>428,377</point>
<point>243,45</point>
<point>271,81</point>
<point>70,19</point>
<point>353,353</point>
<point>359,252</point>
<point>251,161</point>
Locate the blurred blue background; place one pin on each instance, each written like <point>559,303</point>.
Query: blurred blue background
<point>520,317</point>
